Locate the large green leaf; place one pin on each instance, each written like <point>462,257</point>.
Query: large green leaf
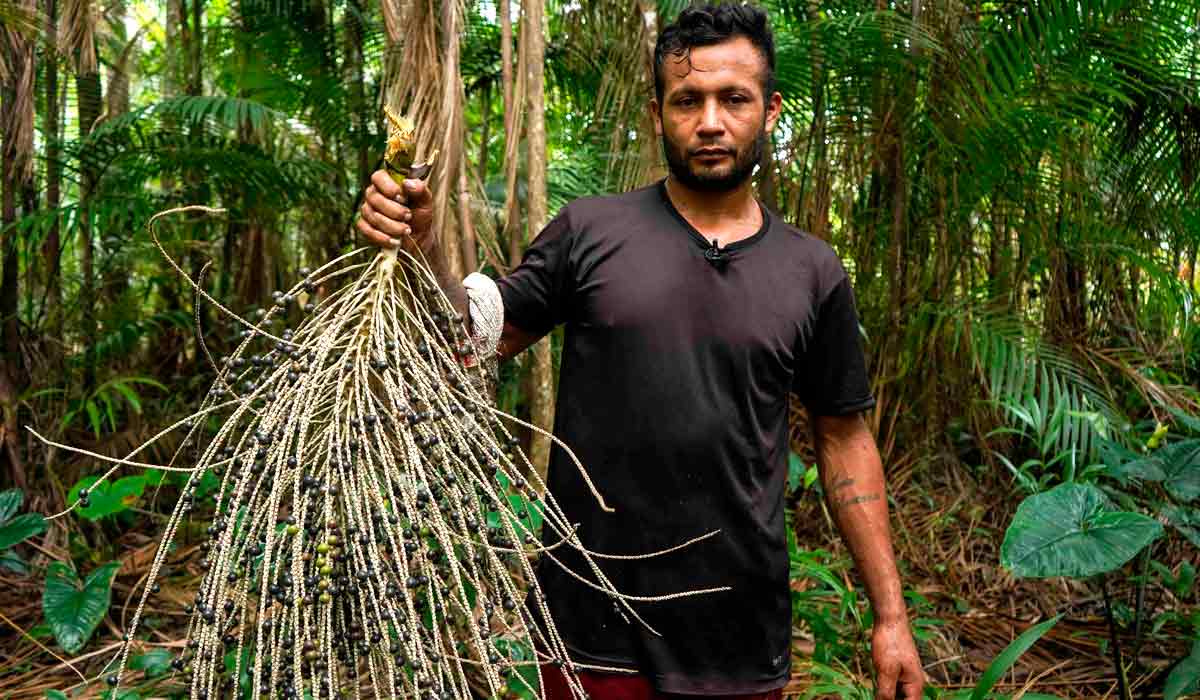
<point>20,528</point>
<point>108,498</point>
<point>1073,530</point>
<point>74,609</point>
<point>1185,677</point>
<point>1176,465</point>
<point>1005,659</point>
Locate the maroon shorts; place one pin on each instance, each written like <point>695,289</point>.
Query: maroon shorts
<point>620,686</point>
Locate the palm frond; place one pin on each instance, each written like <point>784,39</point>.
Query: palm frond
<point>1018,369</point>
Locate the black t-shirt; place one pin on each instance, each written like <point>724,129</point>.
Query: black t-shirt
<point>673,393</point>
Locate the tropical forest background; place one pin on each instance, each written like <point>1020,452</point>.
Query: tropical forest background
<point>1013,186</point>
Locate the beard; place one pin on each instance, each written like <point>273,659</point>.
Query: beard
<point>714,179</point>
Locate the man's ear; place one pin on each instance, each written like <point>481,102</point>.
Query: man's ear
<point>774,109</point>
<point>656,116</point>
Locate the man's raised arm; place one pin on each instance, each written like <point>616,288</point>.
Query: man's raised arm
<point>401,216</point>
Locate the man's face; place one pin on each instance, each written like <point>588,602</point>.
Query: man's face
<point>713,120</point>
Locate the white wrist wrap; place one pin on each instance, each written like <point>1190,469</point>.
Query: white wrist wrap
<point>487,313</point>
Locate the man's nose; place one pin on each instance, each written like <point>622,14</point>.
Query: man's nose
<point>710,119</point>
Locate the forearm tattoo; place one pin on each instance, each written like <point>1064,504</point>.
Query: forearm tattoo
<point>841,503</point>
<point>841,484</point>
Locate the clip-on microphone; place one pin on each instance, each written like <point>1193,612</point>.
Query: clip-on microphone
<point>715,256</point>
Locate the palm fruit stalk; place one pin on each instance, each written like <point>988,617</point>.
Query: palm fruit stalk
<point>372,532</point>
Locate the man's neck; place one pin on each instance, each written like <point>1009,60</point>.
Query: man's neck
<point>727,216</point>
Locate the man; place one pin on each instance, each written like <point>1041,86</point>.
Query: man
<point>691,311</point>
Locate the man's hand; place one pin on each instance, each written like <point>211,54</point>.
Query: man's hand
<point>393,215</point>
<point>898,672</point>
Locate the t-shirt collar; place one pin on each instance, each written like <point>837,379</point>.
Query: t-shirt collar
<point>698,238</point>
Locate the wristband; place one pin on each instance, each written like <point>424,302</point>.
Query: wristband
<point>486,309</point>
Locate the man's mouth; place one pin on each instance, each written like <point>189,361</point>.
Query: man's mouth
<point>710,152</point>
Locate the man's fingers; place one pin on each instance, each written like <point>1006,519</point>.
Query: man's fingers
<point>885,684</point>
<point>911,691</point>
<point>375,237</point>
<point>418,194</point>
<point>385,185</point>
<point>388,207</point>
<point>384,224</point>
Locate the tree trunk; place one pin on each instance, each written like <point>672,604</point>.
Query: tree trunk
<point>353,64</point>
<point>820,199</point>
<point>172,75</point>
<point>651,167</point>
<point>51,246</point>
<point>470,256</point>
<point>16,171</point>
<point>506,68</point>
<point>485,129</point>
<point>117,94</point>
<point>452,152</point>
<point>542,400</point>
<point>513,85</point>
<point>195,84</point>
<point>87,88</point>
<point>114,279</point>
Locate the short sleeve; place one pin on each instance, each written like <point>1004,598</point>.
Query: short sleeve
<point>536,294</point>
<point>831,373</point>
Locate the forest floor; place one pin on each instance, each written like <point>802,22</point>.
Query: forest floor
<point>948,524</point>
<point>947,527</point>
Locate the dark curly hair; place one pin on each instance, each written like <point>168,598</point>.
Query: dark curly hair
<point>705,25</point>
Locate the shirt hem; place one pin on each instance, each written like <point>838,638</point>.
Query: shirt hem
<point>580,656</point>
<point>841,409</point>
<point>682,685</point>
<point>692,686</point>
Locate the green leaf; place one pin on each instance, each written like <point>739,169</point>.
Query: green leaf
<point>108,498</point>
<point>11,561</point>
<point>1181,463</point>
<point>55,695</point>
<point>1192,423</point>
<point>810,476</point>
<point>21,528</point>
<point>74,609</point>
<point>1123,464</point>
<point>130,396</point>
<point>10,503</point>
<point>93,415</point>
<point>155,662</point>
<point>1176,465</point>
<point>795,471</point>
<point>1185,677</point>
<point>206,484</point>
<point>1073,530</point>
<point>1186,520</point>
<point>1005,659</point>
<point>523,680</point>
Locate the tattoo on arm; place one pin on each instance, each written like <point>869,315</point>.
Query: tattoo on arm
<point>841,484</point>
<point>837,505</point>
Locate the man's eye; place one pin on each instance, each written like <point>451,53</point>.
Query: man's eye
<point>737,99</point>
